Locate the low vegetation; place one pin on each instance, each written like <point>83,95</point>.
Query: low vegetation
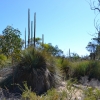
<point>38,74</point>
<point>32,67</point>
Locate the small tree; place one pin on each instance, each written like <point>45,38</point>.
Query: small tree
<point>91,47</point>
<point>10,41</point>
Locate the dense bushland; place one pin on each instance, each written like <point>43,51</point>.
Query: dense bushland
<point>79,69</point>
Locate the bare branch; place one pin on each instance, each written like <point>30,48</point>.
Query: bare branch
<point>92,34</point>
<point>93,7</point>
<point>96,25</point>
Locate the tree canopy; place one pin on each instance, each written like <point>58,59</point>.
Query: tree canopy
<point>10,41</point>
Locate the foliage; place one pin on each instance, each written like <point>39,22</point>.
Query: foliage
<point>74,57</point>
<point>91,47</point>
<point>34,69</point>
<point>94,47</point>
<point>55,51</point>
<point>93,70</point>
<point>69,93</point>
<point>49,48</point>
<point>38,44</point>
<point>97,52</point>
<point>37,41</point>
<point>10,41</point>
<point>51,94</point>
<point>85,68</point>
<point>3,60</point>
<point>92,94</point>
<point>79,69</point>
<point>65,67</point>
<point>27,65</point>
<point>27,92</point>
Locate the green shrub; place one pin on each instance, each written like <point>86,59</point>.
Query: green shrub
<point>93,69</point>
<point>73,69</point>
<point>35,70</point>
<point>91,94</point>
<point>85,68</point>
<point>79,68</point>
<point>65,67</point>
<point>51,94</point>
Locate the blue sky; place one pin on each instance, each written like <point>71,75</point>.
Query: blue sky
<point>66,23</point>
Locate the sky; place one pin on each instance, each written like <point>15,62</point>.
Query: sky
<point>66,23</point>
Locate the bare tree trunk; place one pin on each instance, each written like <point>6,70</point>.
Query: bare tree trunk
<point>34,28</point>
<point>31,31</point>
<point>28,27</point>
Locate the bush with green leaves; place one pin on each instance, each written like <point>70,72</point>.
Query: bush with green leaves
<point>52,94</point>
<point>93,70</point>
<point>65,67</point>
<point>34,68</point>
<point>79,69</point>
<point>91,93</point>
<point>82,68</point>
<point>10,41</point>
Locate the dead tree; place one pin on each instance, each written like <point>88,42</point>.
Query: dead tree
<point>31,32</point>
<point>34,28</point>
<point>28,27</point>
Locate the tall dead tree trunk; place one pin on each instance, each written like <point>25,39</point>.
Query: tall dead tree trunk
<point>31,31</point>
<point>28,27</point>
<point>34,28</point>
